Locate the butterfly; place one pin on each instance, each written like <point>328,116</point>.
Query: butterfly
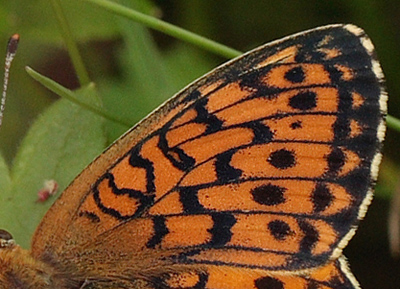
<point>253,176</point>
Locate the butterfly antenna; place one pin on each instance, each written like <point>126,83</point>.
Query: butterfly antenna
<point>11,50</point>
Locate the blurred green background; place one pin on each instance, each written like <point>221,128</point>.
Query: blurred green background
<point>135,69</point>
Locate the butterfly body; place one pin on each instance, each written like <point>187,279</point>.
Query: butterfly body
<point>254,176</point>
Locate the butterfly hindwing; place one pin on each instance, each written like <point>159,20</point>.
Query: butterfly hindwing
<point>263,166</point>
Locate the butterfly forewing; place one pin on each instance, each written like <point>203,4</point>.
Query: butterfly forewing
<point>259,171</point>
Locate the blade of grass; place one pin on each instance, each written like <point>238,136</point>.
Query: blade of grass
<point>393,123</point>
<point>68,94</point>
<point>72,48</point>
<point>168,29</point>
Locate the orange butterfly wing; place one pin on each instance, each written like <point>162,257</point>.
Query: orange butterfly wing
<point>254,176</point>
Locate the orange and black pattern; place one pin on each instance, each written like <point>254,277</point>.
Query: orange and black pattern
<point>254,176</point>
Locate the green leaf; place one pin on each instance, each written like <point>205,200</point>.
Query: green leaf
<point>61,142</point>
<point>5,181</point>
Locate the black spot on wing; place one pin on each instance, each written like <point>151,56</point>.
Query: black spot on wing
<point>136,160</point>
<point>203,116</point>
<point>282,159</point>
<point>295,75</point>
<point>176,155</point>
<point>306,100</point>
<point>90,215</point>
<point>160,230</point>
<point>225,172</point>
<point>321,197</point>
<point>336,160</point>
<point>221,230</point>
<point>262,133</point>
<point>279,229</point>
<point>190,201</point>
<point>269,194</point>
<point>310,239</point>
<point>268,282</point>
